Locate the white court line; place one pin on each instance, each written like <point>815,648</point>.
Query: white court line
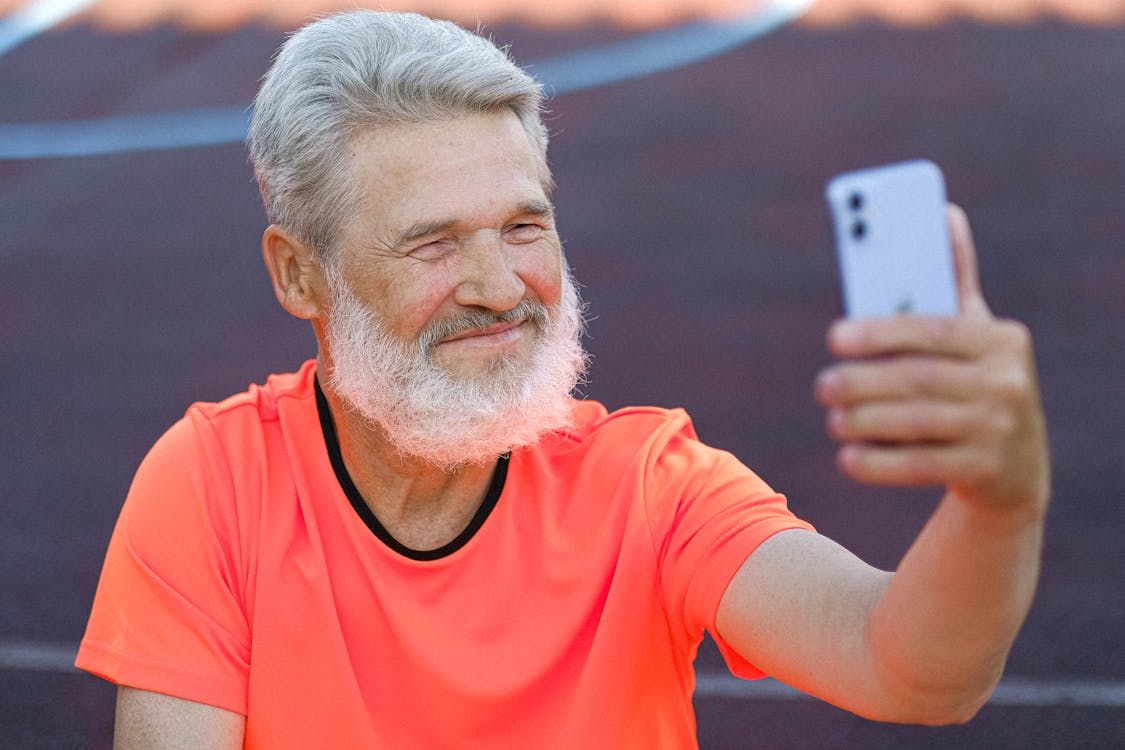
<point>662,50</point>
<point>1012,691</point>
<point>34,18</point>
<point>125,134</point>
<point>37,657</point>
<point>573,71</point>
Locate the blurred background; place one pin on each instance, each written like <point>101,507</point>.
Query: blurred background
<point>691,143</point>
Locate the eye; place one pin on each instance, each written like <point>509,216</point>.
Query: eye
<point>435,250</point>
<point>523,233</point>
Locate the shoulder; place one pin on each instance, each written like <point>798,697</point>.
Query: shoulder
<point>638,440</point>
<point>217,449</point>
<point>635,425</point>
<point>259,403</point>
<point>658,446</point>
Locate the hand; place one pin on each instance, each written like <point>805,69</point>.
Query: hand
<point>953,401</point>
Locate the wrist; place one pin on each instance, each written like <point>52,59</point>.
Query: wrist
<point>1003,512</point>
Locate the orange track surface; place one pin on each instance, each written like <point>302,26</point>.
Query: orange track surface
<point>212,15</point>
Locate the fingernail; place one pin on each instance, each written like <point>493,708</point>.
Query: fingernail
<point>827,383</point>
<point>842,334</point>
<point>846,459</point>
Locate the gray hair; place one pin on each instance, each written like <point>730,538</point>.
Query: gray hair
<point>351,71</point>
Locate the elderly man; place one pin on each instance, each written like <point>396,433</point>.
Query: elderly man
<point>420,540</point>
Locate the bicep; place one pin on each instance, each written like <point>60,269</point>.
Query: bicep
<point>148,720</point>
<point>798,610</point>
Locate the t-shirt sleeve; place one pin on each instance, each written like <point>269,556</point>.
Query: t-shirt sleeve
<point>169,614</point>
<point>709,512</point>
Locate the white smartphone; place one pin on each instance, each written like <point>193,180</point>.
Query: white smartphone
<point>892,240</point>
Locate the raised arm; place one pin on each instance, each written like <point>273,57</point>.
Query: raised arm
<point>915,401</point>
<point>152,721</point>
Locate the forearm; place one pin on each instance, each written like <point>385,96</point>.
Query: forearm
<point>940,634</point>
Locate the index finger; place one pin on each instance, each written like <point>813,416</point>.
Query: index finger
<point>962,336</point>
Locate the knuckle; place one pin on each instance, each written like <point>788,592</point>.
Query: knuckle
<point>1002,424</point>
<point>1014,336</point>
<point>1020,333</point>
<point>1010,384</point>
<point>987,466</point>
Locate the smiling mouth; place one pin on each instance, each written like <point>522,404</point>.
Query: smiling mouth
<point>494,330</point>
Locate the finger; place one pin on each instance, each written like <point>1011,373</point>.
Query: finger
<point>913,465</point>
<point>910,376</point>
<point>965,261</point>
<point>902,423</point>
<point>961,336</point>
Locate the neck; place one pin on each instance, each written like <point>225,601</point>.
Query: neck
<point>422,506</point>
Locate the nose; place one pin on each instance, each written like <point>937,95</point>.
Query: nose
<point>488,275</point>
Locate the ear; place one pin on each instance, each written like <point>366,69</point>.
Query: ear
<point>295,272</point>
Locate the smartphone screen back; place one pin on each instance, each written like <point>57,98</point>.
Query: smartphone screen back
<point>892,240</point>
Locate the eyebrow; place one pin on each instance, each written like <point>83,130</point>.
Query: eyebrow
<point>536,208</point>
<point>422,229</point>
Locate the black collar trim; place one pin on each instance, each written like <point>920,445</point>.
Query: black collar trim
<point>332,443</point>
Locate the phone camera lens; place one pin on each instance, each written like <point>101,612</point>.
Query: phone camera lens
<point>859,229</point>
<point>855,201</point>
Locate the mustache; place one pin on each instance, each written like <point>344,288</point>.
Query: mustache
<point>530,310</point>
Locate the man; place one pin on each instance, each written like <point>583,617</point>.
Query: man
<point>421,540</point>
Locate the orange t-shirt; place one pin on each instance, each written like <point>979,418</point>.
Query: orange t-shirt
<point>242,574</point>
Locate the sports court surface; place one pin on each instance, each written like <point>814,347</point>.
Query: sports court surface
<point>691,144</point>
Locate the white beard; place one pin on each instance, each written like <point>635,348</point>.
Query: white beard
<point>446,421</point>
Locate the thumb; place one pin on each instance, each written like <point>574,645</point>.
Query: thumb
<point>965,261</point>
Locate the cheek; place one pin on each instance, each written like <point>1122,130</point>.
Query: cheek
<point>409,302</point>
<point>543,276</point>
